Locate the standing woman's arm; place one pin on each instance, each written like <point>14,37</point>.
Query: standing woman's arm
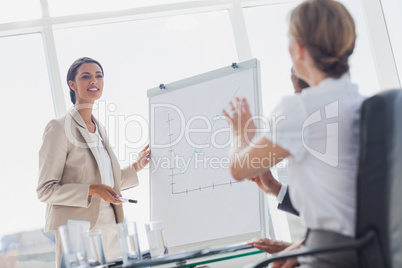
<point>129,177</point>
<point>52,159</point>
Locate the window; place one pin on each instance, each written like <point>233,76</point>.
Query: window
<point>267,28</point>
<point>137,56</point>
<point>392,9</point>
<point>71,7</point>
<point>361,62</point>
<point>26,108</point>
<point>19,10</point>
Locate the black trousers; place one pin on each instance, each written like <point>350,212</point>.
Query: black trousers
<point>321,238</point>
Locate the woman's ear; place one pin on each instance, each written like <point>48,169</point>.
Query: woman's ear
<point>71,84</point>
<point>300,50</point>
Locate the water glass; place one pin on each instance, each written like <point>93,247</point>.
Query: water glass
<point>77,230</point>
<point>129,243</point>
<point>94,248</point>
<point>72,258</point>
<point>156,240</point>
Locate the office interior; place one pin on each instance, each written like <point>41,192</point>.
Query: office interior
<point>142,44</point>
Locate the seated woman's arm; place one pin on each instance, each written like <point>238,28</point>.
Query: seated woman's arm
<point>248,158</point>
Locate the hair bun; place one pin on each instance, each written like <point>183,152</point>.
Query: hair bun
<point>336,67</point>
<point>331,65</point>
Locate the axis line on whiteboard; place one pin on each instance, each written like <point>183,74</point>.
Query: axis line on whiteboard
<point>171,151</point>
<point>213,186</point>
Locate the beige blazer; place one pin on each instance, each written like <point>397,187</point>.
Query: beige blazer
<point>68,165</point>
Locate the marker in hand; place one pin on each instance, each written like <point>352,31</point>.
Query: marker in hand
<point>125,200</point>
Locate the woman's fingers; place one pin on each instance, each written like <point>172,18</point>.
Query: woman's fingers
<point>143,159</point>
<point>146,151</point>
<point>109,195</point>
<point>112,192</point>
<point>112,198</point>
<point>232,106</point>
<point>270,246</point>
<point>225,114</point>
<point>239,105</point>
<point>290,263</point>
<point>239,114</point>
<point>145,154</point>
<point>278,264</point>
<point>246,107</point>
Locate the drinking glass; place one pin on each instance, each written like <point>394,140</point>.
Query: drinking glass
<point>157,243</point>
<point>94,248</point>
<point>129,243</point>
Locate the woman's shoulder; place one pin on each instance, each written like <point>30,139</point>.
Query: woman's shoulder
<point>290,102</point>
<point>57,122</point>
<point>58,125</point>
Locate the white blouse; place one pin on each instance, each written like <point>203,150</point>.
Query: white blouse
<point>105,164</point>
<point>320,129</point>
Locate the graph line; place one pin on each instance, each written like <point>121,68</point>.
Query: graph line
<point>171,151</point>
<point>206,140</point>
<point>213,186</point>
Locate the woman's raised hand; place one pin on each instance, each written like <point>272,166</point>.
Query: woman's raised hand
<point>143,159</point>
<point>241,122</point>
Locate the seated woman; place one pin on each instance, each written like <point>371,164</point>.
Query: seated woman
<point>317,130</point>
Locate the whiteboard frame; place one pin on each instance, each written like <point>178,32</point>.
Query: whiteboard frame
<point>190,81</point>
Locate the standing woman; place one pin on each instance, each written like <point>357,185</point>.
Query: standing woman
<point>317,130</point>
<point>79,175</point>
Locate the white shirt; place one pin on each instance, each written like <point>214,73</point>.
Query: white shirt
<point>320,129</point>
<point>105,164</point>
<point>282,193</point>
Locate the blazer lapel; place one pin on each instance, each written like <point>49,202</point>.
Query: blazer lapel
<point>113,159</point>
<point>85,134</point>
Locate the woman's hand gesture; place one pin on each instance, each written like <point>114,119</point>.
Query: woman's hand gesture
<point>241,123</point>
<point>143,159</point>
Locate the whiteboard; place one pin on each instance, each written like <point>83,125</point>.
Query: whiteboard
<point>191,188</point>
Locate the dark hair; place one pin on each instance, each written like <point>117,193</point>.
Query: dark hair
<point>327,30</point>
<point>72,72</point>
<point>300,82</point>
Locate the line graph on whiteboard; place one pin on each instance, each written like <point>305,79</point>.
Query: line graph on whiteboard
<point>188,163</point>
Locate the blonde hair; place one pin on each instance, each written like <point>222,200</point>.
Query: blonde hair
<point>327,30</point>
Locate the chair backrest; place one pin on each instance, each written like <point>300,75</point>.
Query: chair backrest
<point>379,187</point>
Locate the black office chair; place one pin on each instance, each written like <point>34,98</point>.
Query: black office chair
<point>378,240</point>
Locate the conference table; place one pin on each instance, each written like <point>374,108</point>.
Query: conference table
<point>195,258</point>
